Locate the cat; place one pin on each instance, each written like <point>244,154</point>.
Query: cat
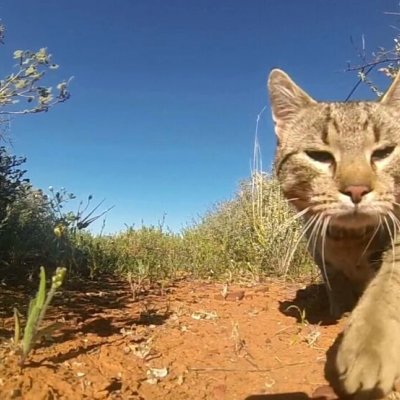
<point>338,163</point>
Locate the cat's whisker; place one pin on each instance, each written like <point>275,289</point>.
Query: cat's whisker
<point>378,227</point>
<point>391,242</point>
<point>303,232</point>
<point>298,215</point>
<point>303,212</point>
<point>289,256</point>
<point>392,222</point>
<point>324,230</point>
<point>292,199</point>
<point>396,224</point>
<point>311,235</point>
<point>289,222</point>
<point>395,231</point>
<point>315,233</point>
<point>293,219</point>
<point>395,220</point>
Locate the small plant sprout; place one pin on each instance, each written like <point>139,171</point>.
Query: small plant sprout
<point>225,290</point>
<point>302,314</point>
<point>237,340</point>
<point>136,282</point>
<point>312,336</point>
<point>36,312</point>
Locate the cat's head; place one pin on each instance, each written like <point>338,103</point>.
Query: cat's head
<point>340,160</point>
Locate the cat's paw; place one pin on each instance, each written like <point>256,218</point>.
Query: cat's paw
<point>367,360</point>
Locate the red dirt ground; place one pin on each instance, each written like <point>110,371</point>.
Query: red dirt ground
<point>185,342</point>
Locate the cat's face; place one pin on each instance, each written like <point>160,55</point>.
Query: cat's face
<point>339,160</point>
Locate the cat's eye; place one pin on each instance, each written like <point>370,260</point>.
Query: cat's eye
<point>321,156</point>
<point>382,153</point>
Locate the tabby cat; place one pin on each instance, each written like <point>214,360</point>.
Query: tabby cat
<point>339,165</point>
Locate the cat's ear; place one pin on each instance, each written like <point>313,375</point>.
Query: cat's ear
<point>286,99</point>
<point>392,95</point>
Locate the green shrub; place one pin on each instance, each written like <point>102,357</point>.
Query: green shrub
<point>12,180</point>
<point>147,251</point>
<point>26,233</point>
<point>252,235</point>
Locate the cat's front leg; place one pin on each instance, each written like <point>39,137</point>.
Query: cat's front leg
<point>367,360</point>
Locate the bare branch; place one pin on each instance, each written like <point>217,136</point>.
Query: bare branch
<point>373,64</point>
<point>357,84</point>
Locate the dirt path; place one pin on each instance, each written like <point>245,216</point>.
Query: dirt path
<point>186,342</point>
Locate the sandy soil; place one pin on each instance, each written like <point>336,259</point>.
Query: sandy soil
<point>188,341</point>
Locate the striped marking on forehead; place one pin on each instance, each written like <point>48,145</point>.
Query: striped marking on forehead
<point>328,124</point>
<point>368,121</point>
<point>325,129</point>
<point>349,118</point>
<point>370,125</point>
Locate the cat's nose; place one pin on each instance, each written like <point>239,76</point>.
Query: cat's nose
<point>356,192</point>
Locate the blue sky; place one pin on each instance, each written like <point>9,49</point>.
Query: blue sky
<point>166,92</point>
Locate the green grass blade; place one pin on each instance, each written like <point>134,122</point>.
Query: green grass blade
<point>41,295</point>
<point>34,312</point>
<point>17,327</point>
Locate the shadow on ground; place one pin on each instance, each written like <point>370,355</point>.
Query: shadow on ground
<point>313,300</point>
<point>86,306</point>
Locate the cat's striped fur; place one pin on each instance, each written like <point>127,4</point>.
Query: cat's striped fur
<point>339,165</point>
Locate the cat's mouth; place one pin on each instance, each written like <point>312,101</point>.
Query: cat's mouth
<point>354,220</point>
<point>350,214</point>
<point>357,217</point>
<point>339,232</point>
<point>360,220</point>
